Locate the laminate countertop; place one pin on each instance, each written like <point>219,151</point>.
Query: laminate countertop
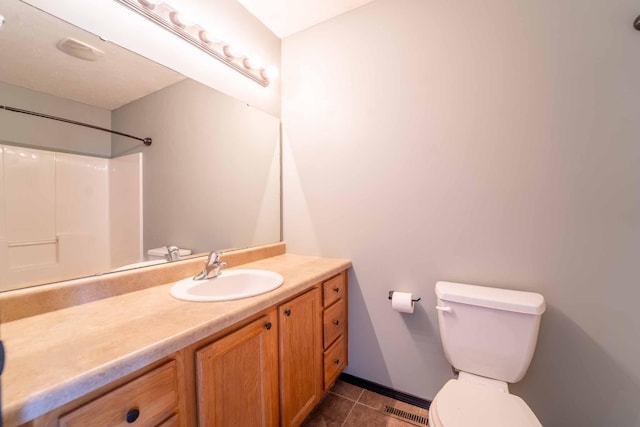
<point>55,357</point>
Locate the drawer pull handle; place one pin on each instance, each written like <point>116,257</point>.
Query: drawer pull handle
<point>336,290</point>
<point>287,312</point>
<point>133,415</point>
<point>336,322</point>
<point>2,357</point>
<point>337,361</point>
<point>267,325</point>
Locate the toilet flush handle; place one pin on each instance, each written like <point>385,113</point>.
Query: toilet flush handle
<point>444,308</point>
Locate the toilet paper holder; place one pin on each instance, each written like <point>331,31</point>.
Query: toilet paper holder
<point>391,297</point>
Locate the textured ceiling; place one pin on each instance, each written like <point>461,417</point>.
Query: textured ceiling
<point>31,59</point>
<point>286,17</point>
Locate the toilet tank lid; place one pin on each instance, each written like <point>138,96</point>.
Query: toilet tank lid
<point>483,296</point>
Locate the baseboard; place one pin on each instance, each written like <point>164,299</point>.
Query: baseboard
<point>385,391</point>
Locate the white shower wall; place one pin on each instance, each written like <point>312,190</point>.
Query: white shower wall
<point>82,215</point>
<point>55,215</point>
<point>29,183</point>
<point>125,194</point>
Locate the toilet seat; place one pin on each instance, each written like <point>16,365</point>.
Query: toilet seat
<point>463,404</point>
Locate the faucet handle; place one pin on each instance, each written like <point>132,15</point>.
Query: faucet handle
<point>214,257</point>
<point>211,267</point>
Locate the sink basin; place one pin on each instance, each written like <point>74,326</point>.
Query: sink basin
<point>229,285</point>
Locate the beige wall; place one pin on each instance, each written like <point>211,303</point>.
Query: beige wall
<point>493,143</point>
<point>227,19</point>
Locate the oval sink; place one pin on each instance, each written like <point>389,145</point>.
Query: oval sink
<point>229,285</point>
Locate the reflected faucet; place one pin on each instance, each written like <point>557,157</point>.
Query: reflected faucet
<point>212,267</point>
<point>173,253</point>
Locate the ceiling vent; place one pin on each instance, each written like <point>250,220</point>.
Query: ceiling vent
<point>79,49</point>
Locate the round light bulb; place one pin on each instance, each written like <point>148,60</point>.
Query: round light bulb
<point>206,37</point>
<point>1,21</point>
<point>231,51</point>
<point>180,19</point>
<point>269,73</point>
<point>149,4</point>
<point>253,63</point>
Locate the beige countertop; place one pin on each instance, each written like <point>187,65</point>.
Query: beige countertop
<point>58,356</point>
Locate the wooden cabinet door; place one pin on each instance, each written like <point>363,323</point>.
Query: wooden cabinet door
<point>237,377</point>
<point>300,322</point>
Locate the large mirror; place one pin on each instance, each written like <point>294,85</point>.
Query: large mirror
<point>76,201</point>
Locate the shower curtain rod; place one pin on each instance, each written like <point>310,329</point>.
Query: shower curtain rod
<point>146,141</point>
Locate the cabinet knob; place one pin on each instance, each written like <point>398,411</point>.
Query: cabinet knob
<point>268,325</point>
<point>336,290</point>
<point>336,322</point>
<point>133,415</point>
<point>337,361</point>
<point>287,312</point>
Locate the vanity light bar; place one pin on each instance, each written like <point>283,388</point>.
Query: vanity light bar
<point>174,21</point>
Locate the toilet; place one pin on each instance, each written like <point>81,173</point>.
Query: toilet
<point>489,336</point>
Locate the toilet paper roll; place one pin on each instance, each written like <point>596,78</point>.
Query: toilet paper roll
<point>401,301</point>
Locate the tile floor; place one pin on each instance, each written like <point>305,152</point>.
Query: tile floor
<point>347,405</point>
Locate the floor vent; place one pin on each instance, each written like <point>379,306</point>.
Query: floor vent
<point>406,415</point>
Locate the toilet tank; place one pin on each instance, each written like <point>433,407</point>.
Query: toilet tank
<point>488,331</point>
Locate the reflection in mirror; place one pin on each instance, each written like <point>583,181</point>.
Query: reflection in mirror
<point>77,202</point>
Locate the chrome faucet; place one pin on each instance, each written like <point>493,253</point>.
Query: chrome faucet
<point>173,253</point>
<point>212,267</point>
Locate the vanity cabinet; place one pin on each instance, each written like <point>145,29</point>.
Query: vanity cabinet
<point>237,377</point>
<point>148,401</point>
<point>335,328</point>
<point>240,376</point>
<point>268,370</point>
<point>301,380</point>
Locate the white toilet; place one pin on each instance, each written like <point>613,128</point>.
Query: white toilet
<point>489,335</point>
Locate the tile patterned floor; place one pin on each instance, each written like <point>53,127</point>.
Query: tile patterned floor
<point>347,405</point>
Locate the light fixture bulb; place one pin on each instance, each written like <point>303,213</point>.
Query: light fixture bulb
<point>231,51</point>
<point>269,73</point>
<point>206,37</point>
<point>1,21</point>
<point>149,4</point>
<point>180,19</point>
<point>253,63</point>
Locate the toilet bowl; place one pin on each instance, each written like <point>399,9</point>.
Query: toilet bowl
<point>461,404</point>
<point>488,335</point>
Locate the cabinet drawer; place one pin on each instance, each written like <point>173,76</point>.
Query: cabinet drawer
<point>335,360</point>
<point>154,396</point>
<point>334,289</point>
<point>171,422</point>
<point>334,320</point>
